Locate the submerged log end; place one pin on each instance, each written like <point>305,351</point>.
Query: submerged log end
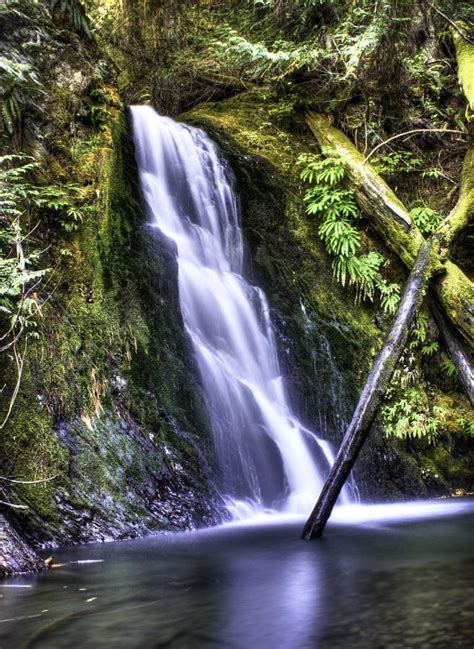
<point>310,532</point>
<point>316,523</point>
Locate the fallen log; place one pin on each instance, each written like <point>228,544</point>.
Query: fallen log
<point>389,217</point>
<point>374,389</point>
<point>375,198</point>
<point>456,350</point>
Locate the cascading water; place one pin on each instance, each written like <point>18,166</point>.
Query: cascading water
<point>262,449</point>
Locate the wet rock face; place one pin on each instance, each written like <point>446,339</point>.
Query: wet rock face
<point>15,555</point>
<point>120,484</point>
<point>124,484</point>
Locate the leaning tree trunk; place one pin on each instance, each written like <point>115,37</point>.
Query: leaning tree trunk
<point>373,391</point>
<point>456,350</point>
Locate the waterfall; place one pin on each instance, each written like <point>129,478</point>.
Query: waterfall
<point>266,457</point>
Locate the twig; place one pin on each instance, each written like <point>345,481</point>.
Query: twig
<point>415,130</point>
<point>28,481</point>
<point>19,360</point>
<point>453,24</point>
<point>4,502</point>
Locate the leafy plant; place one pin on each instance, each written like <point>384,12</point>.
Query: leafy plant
<point>430,348</point>
<point>420,337</point>
<point>20,262</point>
<point>76,13</point>
<point>466,424</point>
<point>19,86</point>
<point>408,413</point>
<point>17,193</point>
<point>426,219</point>
<point>396,162</point>
<point>21,268</point>
<point>257,60</point>
<point>337,210</point>
<point>449,368</point>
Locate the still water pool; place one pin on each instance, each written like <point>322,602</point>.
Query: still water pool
<point>397,577</point>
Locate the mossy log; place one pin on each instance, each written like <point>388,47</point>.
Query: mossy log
<point>465,63</point>
<point>374,390</point>
<point>456,350</point>
<point>391,220</point>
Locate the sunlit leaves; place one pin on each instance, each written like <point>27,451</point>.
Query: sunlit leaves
<point>322,169</point>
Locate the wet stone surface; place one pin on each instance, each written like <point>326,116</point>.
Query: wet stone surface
<point>15,555</point>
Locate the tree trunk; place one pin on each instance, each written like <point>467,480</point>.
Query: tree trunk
<point>390,219</point>
<point>465,62</point>
<point>456,351</point>
<point>373,391</point>
<point>463,212</point>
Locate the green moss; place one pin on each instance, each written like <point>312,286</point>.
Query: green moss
<point>465,61</point>
<point>31,452</point>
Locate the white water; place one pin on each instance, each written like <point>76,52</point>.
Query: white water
<point>262,449</point>
<point>362,515</point>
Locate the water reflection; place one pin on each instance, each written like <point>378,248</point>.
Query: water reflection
<point>399,585</point>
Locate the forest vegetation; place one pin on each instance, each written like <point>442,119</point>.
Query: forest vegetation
<point>349,125</point>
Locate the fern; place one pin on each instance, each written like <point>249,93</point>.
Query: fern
<point>449,368</point>
<point>76,13</point>
<point>396,163</point>
<point>426,219</point>
<point>257,60</point>
<point>411,416</point>
<point>430,348</point>
<point>389,295</point>
<point>19,87</point>
<point>337,210</point>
